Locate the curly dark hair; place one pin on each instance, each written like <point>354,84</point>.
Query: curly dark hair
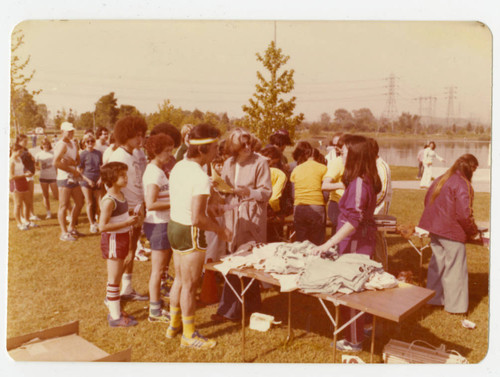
<point>129,127</point>
<point>157,143</point>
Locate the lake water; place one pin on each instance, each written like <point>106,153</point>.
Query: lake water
<point>404,152</point>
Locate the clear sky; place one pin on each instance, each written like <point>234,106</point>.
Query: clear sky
<point>211,65</point>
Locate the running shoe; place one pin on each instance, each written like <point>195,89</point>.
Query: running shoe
<point>164,317</point>
<point>134,296</point>
<point>141,256</point>
<point>76,233</point>
<point>94,228</point>
<point>67,237</point>
<point>197,341</point>
<point>49,216</point>
<point>23,227</point>
<point>123,321</point>
<point>34,218</point>
<point>31,224</point>
<point>172,332</point>
<point>345,345</point>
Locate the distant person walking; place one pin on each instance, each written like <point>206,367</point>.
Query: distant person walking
<point>420,160</point>
<point>428,160</point>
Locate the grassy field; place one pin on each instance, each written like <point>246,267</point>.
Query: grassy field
<point>51,283</point>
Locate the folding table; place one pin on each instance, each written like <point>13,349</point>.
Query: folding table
<point>394,304</point>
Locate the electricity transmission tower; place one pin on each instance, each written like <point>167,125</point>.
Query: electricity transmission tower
<point>391,111</point>
<point>451,96</point>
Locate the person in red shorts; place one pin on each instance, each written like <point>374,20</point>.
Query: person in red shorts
<point>114,224</point>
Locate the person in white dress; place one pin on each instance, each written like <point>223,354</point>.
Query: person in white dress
<point>429,156</point>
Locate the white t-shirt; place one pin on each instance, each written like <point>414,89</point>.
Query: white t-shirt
<point>187,179</point>
<point>71,152</point>
<point>133,191</point>
<point>155,176</point>
<point>47,168</point>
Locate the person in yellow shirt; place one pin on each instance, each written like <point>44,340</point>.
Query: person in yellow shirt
<point>275,215</point>
<point>309,206</point>
<point>332,181</point>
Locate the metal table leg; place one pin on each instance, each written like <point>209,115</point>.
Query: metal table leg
<point>372,348</point>
<point>242,319</point>
<point>290,331</point>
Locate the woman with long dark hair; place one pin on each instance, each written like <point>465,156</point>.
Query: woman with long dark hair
<point>449,219</point>
<point>356,230</point>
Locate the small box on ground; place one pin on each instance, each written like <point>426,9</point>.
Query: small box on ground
<point>59,344</point>
<point>398,352</point>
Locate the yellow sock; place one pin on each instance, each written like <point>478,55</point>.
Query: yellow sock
<point>188,326</point>
<point>175,316</point>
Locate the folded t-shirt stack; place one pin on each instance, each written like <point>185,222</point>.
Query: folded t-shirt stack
<point>295,267</point>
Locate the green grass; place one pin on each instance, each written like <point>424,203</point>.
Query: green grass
<point>403,173</point>
<point>51,283</point>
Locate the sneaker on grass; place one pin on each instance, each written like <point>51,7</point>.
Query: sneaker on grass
<point>76,233</point>
<point>197,341</point>
<point>94,228</point>
<point>134,296</point>
<point>172,332</point>
<point>345,345</point>
<point>34,218</point>
<point>164,317</point>
<point>141,256</point>
<point>67,237</point>
<point>31,224</point>
<point>49,216</point>
<point>123,321</point>
<point>23,227</point>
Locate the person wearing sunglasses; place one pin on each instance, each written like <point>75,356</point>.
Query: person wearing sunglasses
<point>90,164</point>
<point>249,175</point>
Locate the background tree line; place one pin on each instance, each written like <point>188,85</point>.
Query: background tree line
<point>269,109</point>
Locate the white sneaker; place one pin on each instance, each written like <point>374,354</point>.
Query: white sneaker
<point>23,226</point>
<point>49,216</point>
<point>31,224</point>
<point>34,218</point>
<point>94,228</point>
<point>141,256</point>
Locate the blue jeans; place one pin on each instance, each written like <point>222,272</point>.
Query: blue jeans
<point>333,215</point>
<point>309,223</point>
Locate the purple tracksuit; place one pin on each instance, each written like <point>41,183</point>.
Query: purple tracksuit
<point>356,207</point>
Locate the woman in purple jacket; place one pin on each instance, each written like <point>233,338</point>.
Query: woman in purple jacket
<point>449,219</point>
<point>356,230</point>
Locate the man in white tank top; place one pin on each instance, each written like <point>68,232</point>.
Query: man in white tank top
<point>66,159</point>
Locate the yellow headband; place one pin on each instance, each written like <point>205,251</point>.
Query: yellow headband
<point>202,141</point>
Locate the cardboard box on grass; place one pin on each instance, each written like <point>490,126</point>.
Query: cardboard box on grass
<point>59,344</point>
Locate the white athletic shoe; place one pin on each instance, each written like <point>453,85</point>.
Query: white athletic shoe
<point>94,228</point>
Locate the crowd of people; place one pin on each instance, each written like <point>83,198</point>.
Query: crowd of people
<point>213,197</point>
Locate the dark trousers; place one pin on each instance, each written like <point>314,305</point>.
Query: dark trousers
<point>309,223</point>
<point>230,306</point>
<point>333,215</point>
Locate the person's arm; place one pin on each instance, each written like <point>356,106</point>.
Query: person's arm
<point>62,163</point>
<point>263,189</point>
<point>277,191</point>
<point>12,170</point>
<point>107,206</point>
<point>151,199</point>
<point>201,220</point>
<point>329,185</point>
<point>463,209</point>
<point>344,231</point>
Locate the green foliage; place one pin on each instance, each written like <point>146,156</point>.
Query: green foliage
<point>106,111</point>
<point>23,108</point>
<point>267,111</point>
<point>364,120</point>
<point>408,123</point>
<point>85,121</point>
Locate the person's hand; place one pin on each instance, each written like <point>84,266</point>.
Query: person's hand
<point>242,191</point>
<point>132,220</point>
<point>28,174</point>
<point>321,248</point>
<point>129,257</point>
<point>226,235</point>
